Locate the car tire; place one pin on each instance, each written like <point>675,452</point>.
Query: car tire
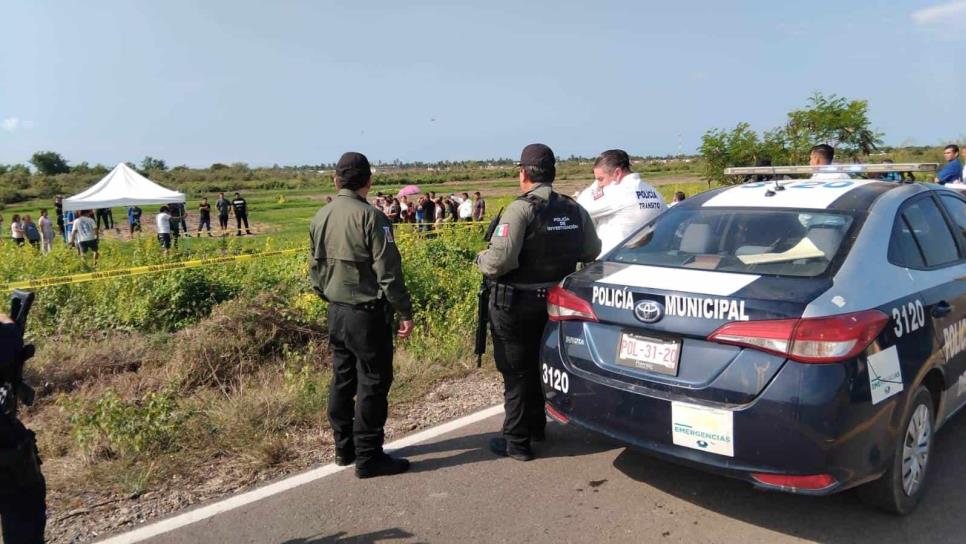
<point>901,488</point>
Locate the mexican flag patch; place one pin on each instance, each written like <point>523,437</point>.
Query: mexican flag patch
<point>502,230</point>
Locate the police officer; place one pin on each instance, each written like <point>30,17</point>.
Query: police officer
<point>618,200</point>
<point>539,239</point>
<point>356,267</point>
<point>23,509</point>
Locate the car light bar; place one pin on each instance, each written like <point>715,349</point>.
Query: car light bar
<point>832,169</point>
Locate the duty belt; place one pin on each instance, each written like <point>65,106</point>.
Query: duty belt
<point>505,295</point>
<point>370,306</point>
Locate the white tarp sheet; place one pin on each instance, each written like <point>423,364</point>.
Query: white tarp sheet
<point>122,187</point>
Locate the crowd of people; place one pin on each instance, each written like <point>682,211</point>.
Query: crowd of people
<point>429,210</point>
<point>82,229</point>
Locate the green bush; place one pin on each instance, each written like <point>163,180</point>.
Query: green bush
<point>111,426</point>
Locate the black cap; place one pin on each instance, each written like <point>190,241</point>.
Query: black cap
<point>352,164</point>
<point>537,155</point>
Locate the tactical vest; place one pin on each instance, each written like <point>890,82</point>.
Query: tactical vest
<point>551,248</point>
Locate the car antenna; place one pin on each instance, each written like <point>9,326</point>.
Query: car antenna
<point>777,187</point>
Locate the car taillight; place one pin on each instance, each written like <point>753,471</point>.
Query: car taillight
<point>812,482</point>
<point>810,340</point>
<point>562,305</point>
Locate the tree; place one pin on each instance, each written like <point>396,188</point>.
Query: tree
<point>49,163</point>
<point>831,120</point>
<point>721,149</point>
<point>150,163</point>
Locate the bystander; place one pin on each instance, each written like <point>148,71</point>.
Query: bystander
<point>16,230</point>
<point>46,232</point>
<point>953,169</point>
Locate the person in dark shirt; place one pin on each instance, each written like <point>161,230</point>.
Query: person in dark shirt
<point>23,507</point>
<point>175,218</point>
<point>183,219</point>
<point>479,207</point>
<point>204,216</point>
<point>452,209</point>
<point>430,213</point>
<point>59,210</point>
<point>134,219</point>
<point>240,208</point>
<point>224,207</point>
<point>102,216</point>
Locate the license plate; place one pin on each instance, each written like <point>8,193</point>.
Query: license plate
<point>650,354</point>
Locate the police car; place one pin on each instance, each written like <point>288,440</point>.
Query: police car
<point>807,336</point>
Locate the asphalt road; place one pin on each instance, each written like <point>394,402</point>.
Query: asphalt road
<point>582,488</point>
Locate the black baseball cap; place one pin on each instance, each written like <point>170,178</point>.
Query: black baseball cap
<point>537,155</point>
<point>351,165</point>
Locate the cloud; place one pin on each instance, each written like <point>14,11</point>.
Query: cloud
<point>955,11</point>
<point>13,124</point>
<point>10,124</point>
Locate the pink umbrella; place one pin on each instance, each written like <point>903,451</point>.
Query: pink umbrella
<point>409,190</point>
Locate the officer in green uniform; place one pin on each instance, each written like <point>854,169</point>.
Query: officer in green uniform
<point>539,239</point>
<point>356,267</point>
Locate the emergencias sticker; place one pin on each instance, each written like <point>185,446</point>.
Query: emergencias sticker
<point>885,375</point>
<point>702,428</point>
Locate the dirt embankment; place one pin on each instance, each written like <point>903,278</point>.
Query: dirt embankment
<point>93,515</point>
<point>133,427</point>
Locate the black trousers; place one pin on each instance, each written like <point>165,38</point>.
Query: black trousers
<point>102,216</point>
<point>223,221</point>
<point>239,217</point>
<point>517,332</point>
<point>204,221</point>
<point>23,506</point>
<point>361,341</point>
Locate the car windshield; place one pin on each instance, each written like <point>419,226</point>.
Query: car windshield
<point>777,242</point>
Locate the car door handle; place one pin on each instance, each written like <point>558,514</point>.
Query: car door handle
<point>941,309</point>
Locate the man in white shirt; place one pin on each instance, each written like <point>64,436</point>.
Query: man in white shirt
<point>85,233</point>
<point>821,155</point>
<point>618,201</point>
<point>164,229</point>
<point>466,208</point>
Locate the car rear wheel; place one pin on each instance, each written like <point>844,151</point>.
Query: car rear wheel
<point>902,486</point>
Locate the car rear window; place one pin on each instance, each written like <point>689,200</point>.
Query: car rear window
<point>776,242</point>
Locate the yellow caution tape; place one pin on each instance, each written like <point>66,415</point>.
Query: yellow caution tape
<point>137,270</point>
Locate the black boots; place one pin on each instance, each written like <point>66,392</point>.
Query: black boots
<point>500,447</point>
<point>381,465</point>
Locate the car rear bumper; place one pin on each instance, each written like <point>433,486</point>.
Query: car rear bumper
<point>804,422</point>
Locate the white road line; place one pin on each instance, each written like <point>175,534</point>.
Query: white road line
<point>237,501</point>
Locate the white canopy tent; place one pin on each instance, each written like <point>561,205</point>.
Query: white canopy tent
<point>120,188</point>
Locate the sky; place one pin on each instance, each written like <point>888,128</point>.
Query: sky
<point>299,82</point>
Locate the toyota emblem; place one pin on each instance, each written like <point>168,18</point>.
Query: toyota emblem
<point>649,311</point>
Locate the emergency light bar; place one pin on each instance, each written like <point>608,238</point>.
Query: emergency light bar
<point>832,169</point>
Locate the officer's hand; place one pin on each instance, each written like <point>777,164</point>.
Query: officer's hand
<point>5,319</point>
<point>405,328</point>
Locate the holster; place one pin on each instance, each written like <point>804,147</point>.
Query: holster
<point>502,295</point>
<point>20,465</point>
